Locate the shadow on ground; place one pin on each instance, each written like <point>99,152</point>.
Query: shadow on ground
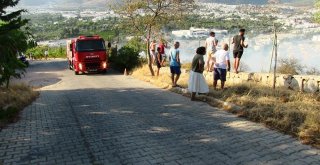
<point>134,125</point>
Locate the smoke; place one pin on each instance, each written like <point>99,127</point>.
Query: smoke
<point>258,55</point>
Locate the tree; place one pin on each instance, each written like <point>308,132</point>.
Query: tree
<point>317,14</point>
<point>147,17</point>
<point>313,71</point>
<point>290,66</point>
<point>13,39</point>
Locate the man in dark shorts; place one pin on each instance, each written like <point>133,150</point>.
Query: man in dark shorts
<point>159,60</point>
<point>174,58</point>
<point>239,45</point>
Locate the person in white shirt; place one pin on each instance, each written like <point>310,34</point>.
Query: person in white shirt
<point>46,54</point>
<point>221,66</point>
<point>211,44</point>
<point>153,46</point>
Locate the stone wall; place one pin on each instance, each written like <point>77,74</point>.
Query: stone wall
<point>305,83</point>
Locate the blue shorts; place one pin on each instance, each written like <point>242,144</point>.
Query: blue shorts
<point>175,70</point>
<point>220,74</point>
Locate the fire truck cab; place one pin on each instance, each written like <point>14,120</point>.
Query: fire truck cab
<point>87,54</point>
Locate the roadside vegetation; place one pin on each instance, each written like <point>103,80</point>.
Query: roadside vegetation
<point>290,112</point>
<point>128,56</point>
<point>13,100</point>
<point>14,39</point>
<point>54,52</point>
<point>293,66</point>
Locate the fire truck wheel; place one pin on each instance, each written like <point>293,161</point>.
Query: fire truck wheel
<point>103,72</point>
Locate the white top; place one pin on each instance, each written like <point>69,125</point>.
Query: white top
<point>46,52</point>
<point>210,44</point>
<point>153,46</point>
<point>221,59</point>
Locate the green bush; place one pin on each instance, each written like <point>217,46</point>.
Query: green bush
<point>126,58</point>
<point>54,52</point>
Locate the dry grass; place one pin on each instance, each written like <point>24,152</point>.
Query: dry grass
<point>290,112</point>
<point>13,100</point>
<point>163,81</point>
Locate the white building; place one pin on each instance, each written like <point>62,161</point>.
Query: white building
<point>197,33</point>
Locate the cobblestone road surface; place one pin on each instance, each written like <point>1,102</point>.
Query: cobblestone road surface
<point>112,119</point>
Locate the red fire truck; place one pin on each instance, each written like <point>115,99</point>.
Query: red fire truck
<point>87,54</point>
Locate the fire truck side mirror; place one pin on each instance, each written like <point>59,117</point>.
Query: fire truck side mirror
<point>109,44</point>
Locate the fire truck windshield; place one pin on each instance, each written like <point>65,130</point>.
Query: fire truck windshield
<point>90,45</point>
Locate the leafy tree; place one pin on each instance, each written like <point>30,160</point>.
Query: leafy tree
<point>317,14</point>
<point>13,39</point>
<point>137,44</point>
<point>147,17</point>
<point>290,66</point>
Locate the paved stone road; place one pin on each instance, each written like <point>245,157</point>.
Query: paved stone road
<point>112,119</point>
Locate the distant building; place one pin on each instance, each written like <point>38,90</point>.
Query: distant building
<point>273,1</point>
<point>197,33</point>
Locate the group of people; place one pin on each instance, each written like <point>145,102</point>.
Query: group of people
<point>218,61</point>
<point>158,55</point>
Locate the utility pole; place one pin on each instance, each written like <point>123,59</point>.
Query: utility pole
<point>275,56</point>
<point>271,61</point>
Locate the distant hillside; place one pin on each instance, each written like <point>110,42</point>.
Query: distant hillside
<point>105,3</point>
<point>259,2</point>
<point>43,2</point>
<point>237,2</point>
<point>299,2</point>
<point>66,3</point>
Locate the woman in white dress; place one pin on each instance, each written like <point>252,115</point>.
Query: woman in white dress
<point>197,82</point>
